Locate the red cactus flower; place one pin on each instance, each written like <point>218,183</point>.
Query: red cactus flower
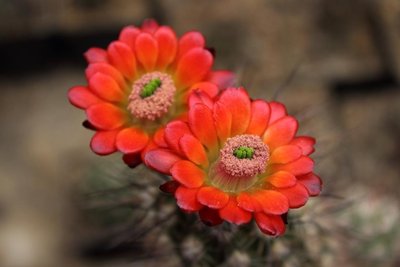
<point>140,83</point>
<point>235,159</point>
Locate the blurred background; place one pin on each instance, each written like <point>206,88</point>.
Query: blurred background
<point>335,64</point>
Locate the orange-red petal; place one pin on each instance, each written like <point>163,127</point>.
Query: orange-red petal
<point>149,25</point>
<point>260,112</point>
<point>278,111</point>
<point>272,225</point>
<point>150,146</point>
<point>81,97</point>
<point>128,36</point>
<point>237,102</point>
<point>297,195</point>
<point>167,46</point>
<point>302,165</point>
<point>107,69</point>
<point>122,57</point>
<point>282,179</point>
<point>105,116</point>
<point>173,133</point>
<point>223,121</point>
<point>210,89</point>
<point>189,41</point>
<point>146,50</point>
<point>306,143</point>
<point>233,213</point>
<point>200,97</point>
<point>272,201</point>
<point>105,87</point>
<point>202,125</point>
<point>159,137</point>
<point>193,66</point>
<point>188,174</point>
<point>248,202</point>
<point>222,78</point>
<point>212,197</point>
<point>193,150</point>
<point>103,142</point>
<point>285,154</point>
<point>281,132</point>
<point>210,217</point>
<point>311,182</point>
<point>131,140</point>
<point>161,159</point>
<point>187,198</point>
<point>95,55</point>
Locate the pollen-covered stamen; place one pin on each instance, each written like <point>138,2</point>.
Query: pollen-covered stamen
<point>151,96</point>
<point>244,156</point>
<point>241,159</point>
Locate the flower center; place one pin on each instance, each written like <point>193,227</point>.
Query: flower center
<point>151,96</point>
<point>244,152</point>
<point>150,88</point>
<point>241,160</point>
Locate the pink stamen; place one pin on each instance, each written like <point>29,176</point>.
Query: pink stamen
<point>244,167</point>
<point>156,105</point>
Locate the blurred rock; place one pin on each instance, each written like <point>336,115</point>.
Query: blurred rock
<point>371,124</point>
<point>388,15</point>
<point>36,18</point>
<point>272,37</point>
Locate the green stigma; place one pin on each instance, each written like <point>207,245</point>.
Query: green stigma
<point>150,88</point>
<point>243,152</point>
